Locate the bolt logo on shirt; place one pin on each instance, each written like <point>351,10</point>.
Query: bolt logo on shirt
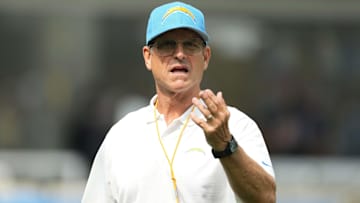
<point>178,9</point>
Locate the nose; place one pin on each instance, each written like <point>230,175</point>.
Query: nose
<point>179,51</point>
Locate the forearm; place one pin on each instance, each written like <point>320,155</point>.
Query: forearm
<point>248,180</point>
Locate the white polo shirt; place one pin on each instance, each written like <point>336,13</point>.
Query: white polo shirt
<point>131,167</point>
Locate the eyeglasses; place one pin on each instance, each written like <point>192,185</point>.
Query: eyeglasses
<point>167,47</point>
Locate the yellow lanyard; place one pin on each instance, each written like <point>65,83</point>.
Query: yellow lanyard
<point>176,147</point>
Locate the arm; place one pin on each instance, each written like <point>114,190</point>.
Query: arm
<point>249,181</point>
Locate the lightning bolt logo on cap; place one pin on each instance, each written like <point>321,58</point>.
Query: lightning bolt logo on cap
<point>178,9</point>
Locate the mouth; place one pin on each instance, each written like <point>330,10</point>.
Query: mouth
<point>179,69</point>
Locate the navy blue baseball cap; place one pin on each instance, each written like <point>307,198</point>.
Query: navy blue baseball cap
<point>175,15</point>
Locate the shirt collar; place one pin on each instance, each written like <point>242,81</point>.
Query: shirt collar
<point>150,111</point>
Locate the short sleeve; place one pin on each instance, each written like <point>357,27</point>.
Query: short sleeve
<point>250,138</point>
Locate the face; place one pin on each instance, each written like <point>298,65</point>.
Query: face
<point>177,60</point>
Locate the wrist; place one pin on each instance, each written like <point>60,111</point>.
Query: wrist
<point>220,146</point>
<point>230,147</point>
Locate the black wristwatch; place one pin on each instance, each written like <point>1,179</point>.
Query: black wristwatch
<point>230,148</point>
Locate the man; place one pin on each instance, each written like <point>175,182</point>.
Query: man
<point>187,145</point>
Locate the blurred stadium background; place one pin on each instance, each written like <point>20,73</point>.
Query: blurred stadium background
<point>70,69</point>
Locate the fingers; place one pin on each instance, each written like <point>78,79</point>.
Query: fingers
<point>203,109</point>
<point>208,107</point>
<point>215,128</point>
<point>221,100</point>
<point>200,122</point>
<point>212,105</point>
<point>210,101</point>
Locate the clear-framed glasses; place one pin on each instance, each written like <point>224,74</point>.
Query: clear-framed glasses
<point>167,47</point>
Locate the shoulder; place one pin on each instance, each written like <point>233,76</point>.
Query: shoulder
<point>237,115</point>
<point>138,116</point>
<point>141,113</point>
<point>243,124</point>
<point>129,124</point>
<point>250,138</point>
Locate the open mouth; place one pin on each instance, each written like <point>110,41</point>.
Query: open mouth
<point>179,70</point>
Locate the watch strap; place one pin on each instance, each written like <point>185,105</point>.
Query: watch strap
<point>230,148</point>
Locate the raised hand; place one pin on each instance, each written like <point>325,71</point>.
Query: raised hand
<point>216,114</point>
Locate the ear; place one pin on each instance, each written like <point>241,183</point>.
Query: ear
<point>207,56</point>
<point>147,57</point>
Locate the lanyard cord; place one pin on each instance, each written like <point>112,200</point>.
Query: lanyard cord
<point>176,147</point>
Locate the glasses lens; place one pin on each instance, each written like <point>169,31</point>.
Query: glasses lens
<point>167,47</point>
<point>192,46</point>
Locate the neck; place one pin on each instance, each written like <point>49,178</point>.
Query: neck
<point>174,105</point>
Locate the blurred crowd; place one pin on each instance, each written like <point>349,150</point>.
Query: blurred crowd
<point>313,90</point>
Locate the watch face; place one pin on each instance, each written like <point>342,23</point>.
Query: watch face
<point>233,145</point>
<point>230,148</point>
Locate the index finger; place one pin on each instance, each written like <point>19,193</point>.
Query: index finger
<point>210,100</point>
